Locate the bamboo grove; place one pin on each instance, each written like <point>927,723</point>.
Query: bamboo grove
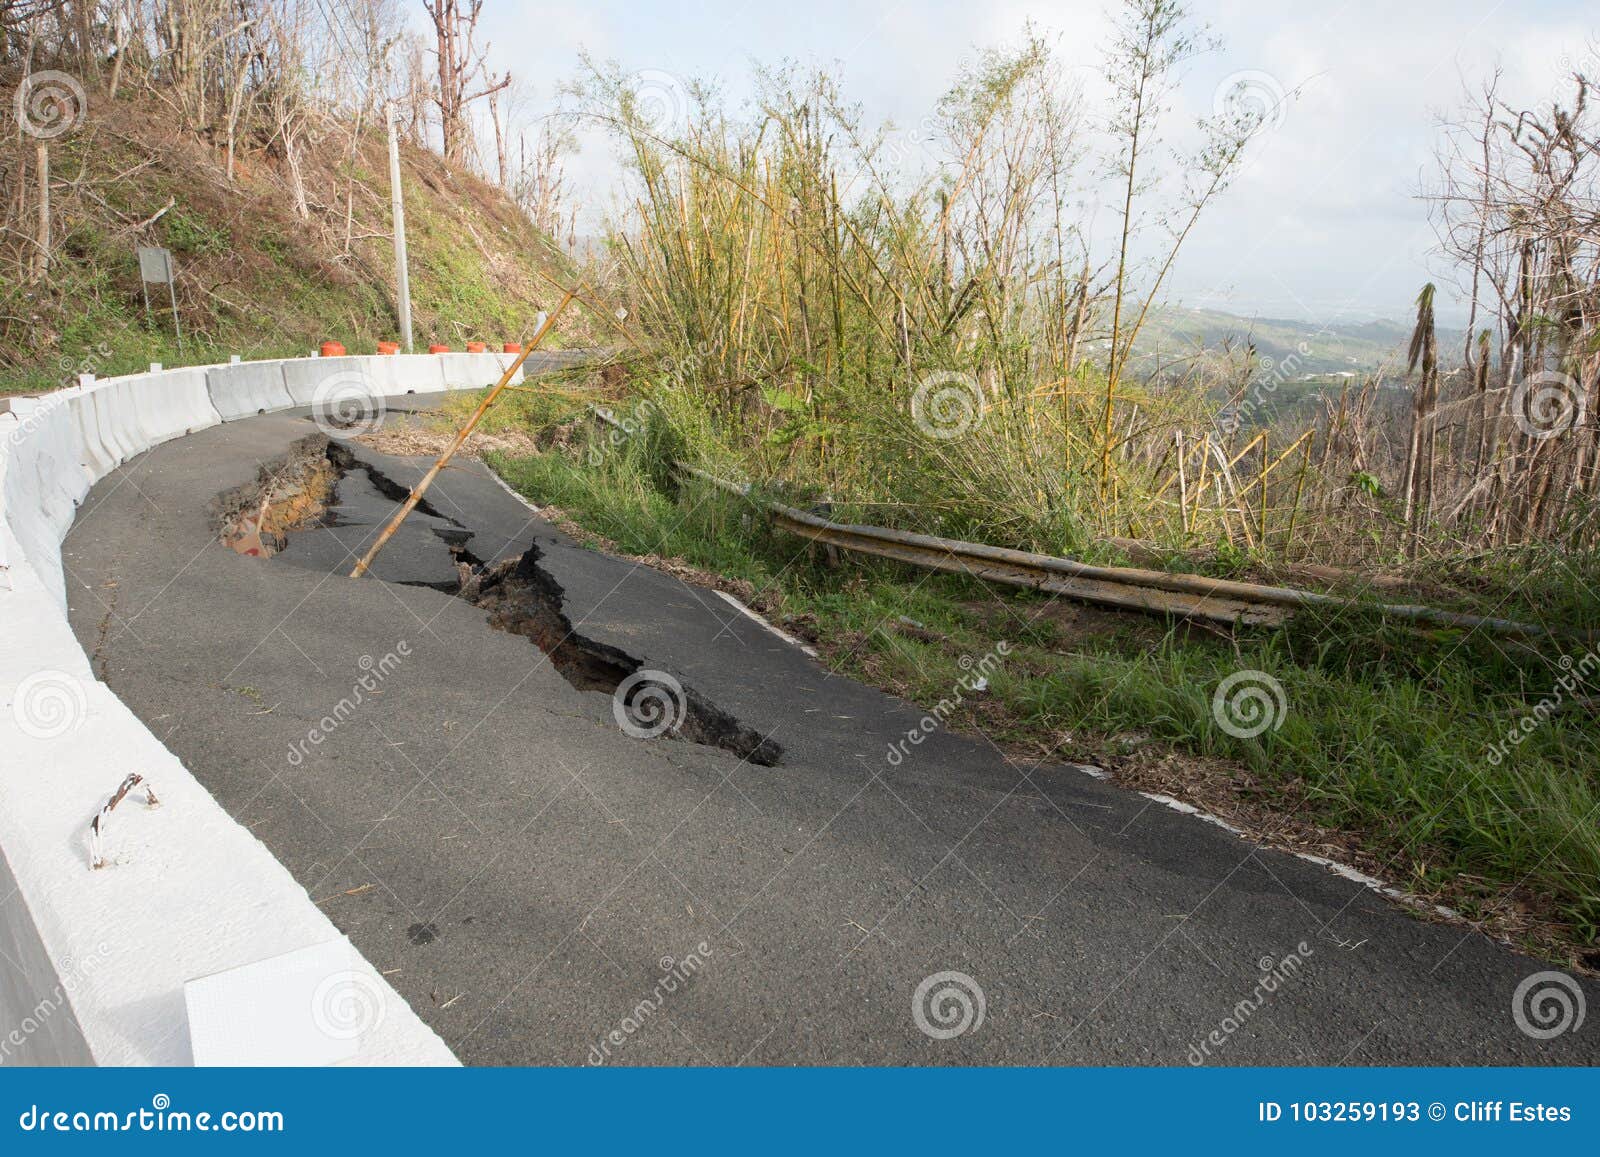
<point>959,344</point>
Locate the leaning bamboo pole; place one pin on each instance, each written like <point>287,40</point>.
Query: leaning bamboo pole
<point>460,439</point>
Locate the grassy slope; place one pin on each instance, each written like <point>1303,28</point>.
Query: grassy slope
<point>253,278</point>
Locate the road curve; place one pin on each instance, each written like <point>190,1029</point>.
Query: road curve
<point>546,889</point>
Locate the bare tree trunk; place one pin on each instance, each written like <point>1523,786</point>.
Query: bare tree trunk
<point>121,24</point>
<point>504,171</point>
<point>1079,317</point>
<point>235,103</point>
<point>455,24</point>
<point>289,132</point>
<point>88,65</point>
<point>42,260</point>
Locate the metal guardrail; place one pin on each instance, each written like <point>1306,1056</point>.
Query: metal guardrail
<point>1106,586</point>
<point>1133,588</point>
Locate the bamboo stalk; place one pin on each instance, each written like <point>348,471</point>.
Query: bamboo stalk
<point>456,443</point>
<point>1299,488</point>
<point>1183,486</point>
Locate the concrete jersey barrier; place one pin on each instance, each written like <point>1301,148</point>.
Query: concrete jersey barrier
<point>245,389</point>
<point>42,480</point>
<point>111,966</point>
<point>395,374</point>
<point>320,382</point>
<point>475,371</point>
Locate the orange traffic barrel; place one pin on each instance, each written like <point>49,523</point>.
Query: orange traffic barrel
<point>438,349</point>
<point>332,349</point>
<point>511,347</point>
<point>388,347</point>
<point>476,347</point>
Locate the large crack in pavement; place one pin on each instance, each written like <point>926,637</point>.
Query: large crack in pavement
<point>523,598</point>
<point>321,485</point>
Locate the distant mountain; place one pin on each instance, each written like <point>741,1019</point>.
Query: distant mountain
<point>1304,348</point>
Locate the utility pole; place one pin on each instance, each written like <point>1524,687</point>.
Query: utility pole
<point>402,279</point>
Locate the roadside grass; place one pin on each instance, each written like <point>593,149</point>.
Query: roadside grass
<point>1403,750</point>
<point>517,410</point>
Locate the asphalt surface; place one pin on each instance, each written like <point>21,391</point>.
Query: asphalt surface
<point>542,886</point>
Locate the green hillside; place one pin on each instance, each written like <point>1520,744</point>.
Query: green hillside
<point>253,277</point>
<point>1301,347</point>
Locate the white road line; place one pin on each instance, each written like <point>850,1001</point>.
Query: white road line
<point>749,614</point>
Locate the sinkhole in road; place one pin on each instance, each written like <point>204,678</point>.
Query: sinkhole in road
<point>321,501</point>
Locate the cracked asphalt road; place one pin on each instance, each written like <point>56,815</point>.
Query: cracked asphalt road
<point>526,874</point>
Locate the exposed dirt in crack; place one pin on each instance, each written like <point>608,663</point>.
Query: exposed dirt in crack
<point>288,493</point>
<point>300,492</point>
<point>522,598</point>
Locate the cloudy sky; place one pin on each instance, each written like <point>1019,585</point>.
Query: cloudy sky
<point>1324,224</point>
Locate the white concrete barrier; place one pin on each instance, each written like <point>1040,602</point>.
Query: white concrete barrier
<point>37,1024</point>
<point>165,405</point>
<point>245,389</point>
<point>94,965</point>
<point>475,371</point>
<point>118,432</point>
<point>394,374</point>
<point>310,380</point>
<point>99,459</point>
<point>41,483</point>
